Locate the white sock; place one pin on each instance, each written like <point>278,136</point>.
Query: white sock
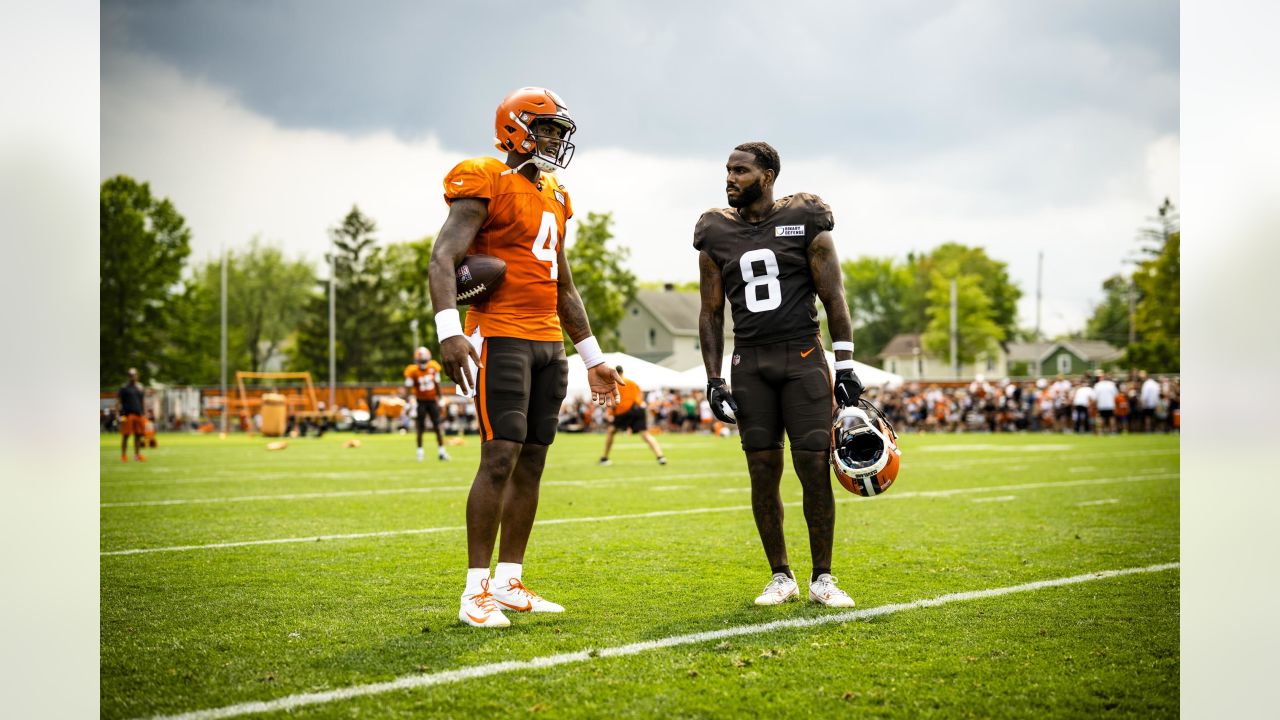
<point>474,577</point>
<point>505,572</point>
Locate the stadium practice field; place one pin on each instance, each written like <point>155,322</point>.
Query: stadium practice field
<point>323,582</point>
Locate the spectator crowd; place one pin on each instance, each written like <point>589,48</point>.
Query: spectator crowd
<point>1090,403</point>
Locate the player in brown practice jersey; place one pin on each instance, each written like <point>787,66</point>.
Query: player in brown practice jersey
<point>515,210</point>
<point>769,259</point>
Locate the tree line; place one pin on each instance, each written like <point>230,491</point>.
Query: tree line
<point>163,316</point>
<point>888,297</point>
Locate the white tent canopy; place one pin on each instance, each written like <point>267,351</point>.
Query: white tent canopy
<point>645,374</point>
<point>870,376</point>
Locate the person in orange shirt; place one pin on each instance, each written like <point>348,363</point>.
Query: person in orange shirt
<point>629,414</point>
<point>511,357</point>
<point>422,378</point>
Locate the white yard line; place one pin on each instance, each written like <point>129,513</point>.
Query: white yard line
<point>1107,501</point>
<point>410,682</point>
<point>601,482</point>
<point>658,513</point>
<point>415,473</point>
<point>1002,498</point>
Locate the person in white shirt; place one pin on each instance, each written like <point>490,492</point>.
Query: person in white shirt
<point>1149,396</point>
<point>1080,405</point>
<point>1104,398</point>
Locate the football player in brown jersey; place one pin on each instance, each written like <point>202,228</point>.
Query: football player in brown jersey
<point>769,259</point>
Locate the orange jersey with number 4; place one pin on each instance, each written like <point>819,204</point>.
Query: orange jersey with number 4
<point>525,227</point>
<point>424,383</point>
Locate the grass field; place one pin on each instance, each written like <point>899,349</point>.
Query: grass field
<point>203,607</point>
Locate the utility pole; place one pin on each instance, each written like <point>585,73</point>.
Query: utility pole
<point>1039,279</point>
<point>225,405</point>
<point>1133,331</point>
<point>333,363</point>
<point>955,360</point>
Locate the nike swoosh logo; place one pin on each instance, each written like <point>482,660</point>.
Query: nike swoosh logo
<point>476,619</point>
<point>806,353</point>
<point>457,182</point>
<point>527,606</point>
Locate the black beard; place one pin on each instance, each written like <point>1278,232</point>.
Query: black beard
<point>748,195</point>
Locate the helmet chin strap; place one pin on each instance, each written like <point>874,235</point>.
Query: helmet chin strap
<point>537,162</point>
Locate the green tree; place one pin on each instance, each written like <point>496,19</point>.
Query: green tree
<point>602,279</point>
<point>193,343</point>
<point>976,330</point>
<point>369,345</point>
<point>1110,319</point>
<point>878,291</point>
<point>143,242</point>
<point>1157,317</point>
<point>406,264</point>
<point>953,260</point>
<point>267,296</point>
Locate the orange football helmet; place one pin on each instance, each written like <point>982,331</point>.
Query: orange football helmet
<point>864,451</point>
<point>515,132</point>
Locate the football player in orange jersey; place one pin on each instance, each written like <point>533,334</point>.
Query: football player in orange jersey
<point>511,357</point>
<point>630,414</point>
<point>422,378</point>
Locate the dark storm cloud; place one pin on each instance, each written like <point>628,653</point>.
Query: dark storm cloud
<point>1074,89</point>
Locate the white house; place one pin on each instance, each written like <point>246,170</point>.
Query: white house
<point>906,356</point>
<point>661,326</point>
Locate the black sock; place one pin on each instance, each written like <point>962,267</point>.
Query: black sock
<point>783,570</point>
<point>817,572</point>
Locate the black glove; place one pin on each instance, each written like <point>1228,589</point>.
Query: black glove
<point>723,406</point>
<point>848,388</point>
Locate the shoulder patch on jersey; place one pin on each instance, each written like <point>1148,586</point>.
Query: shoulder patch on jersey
<point>789,231</point>
<point>559,196</point>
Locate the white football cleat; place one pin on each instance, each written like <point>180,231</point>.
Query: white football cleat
<point>824,590</point>
<point>442,454</point>
<point>481,610</point>
<point>419,454</point>
<point>515,596</point>
<point>779,590</point>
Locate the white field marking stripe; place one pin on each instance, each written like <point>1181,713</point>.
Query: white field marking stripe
<point>1002,498</point>
<point>1046,457</point>
<point>295,496</point>
<point>398,491</point>
<point>248,475</point>
<point>410,682</point>
<point>635,516</point>
<point>1107,501</point>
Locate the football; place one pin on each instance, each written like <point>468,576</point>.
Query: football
<point>478,276</point>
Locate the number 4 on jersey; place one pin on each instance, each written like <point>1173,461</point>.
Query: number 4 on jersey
<point>546,244</point>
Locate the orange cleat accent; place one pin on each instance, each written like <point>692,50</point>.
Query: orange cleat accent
<point>140,457</point>
<point>124,458</point>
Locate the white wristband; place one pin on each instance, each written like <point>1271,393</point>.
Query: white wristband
<point>448,324</point>
<point>589,349</point>
<point>844,365</point>
<point>839,345</point>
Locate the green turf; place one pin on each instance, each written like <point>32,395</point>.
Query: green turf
<point>205,628</point>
